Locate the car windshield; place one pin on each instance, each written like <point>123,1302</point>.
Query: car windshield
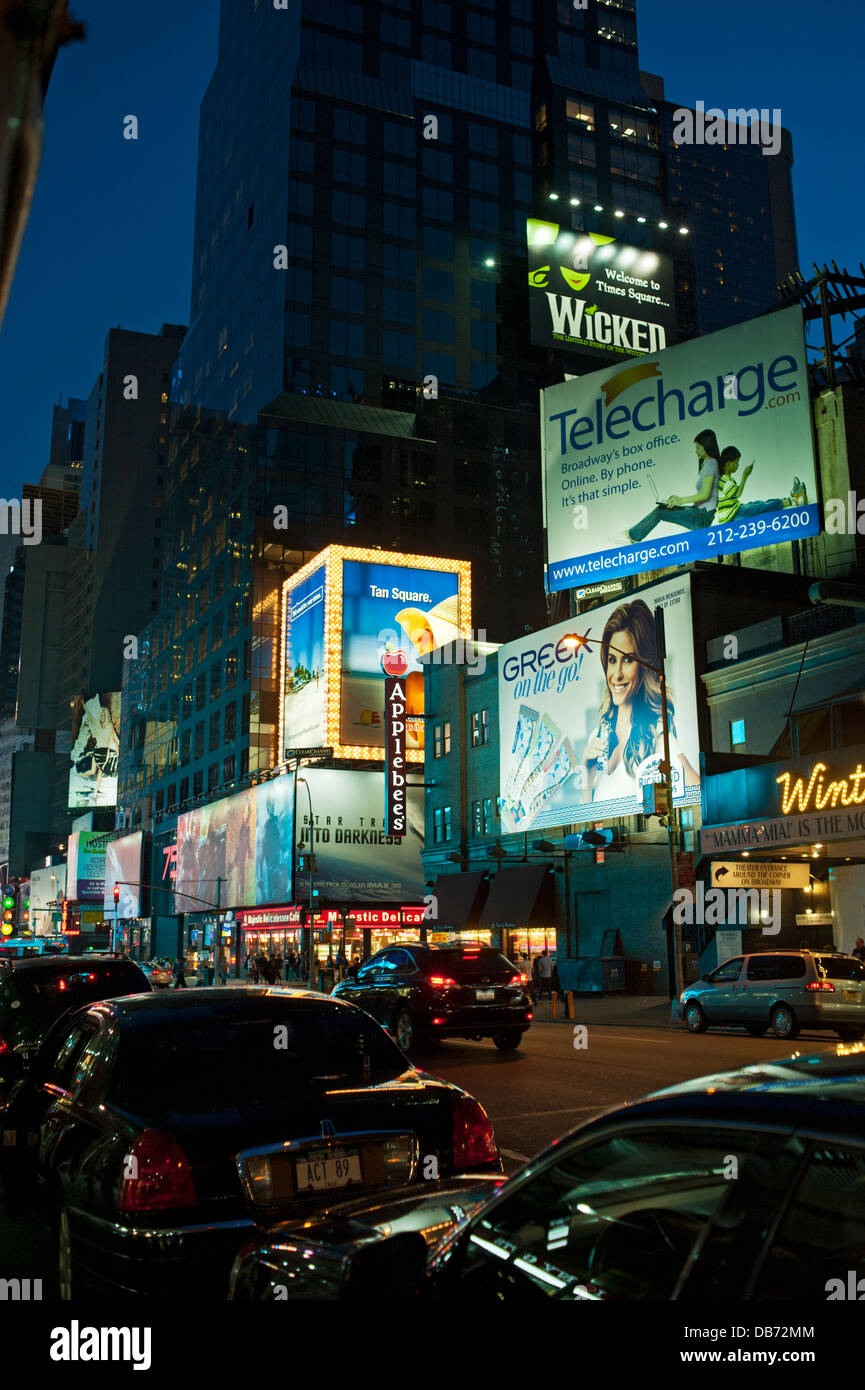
<point>839,968</point>
<point>467,960</point>
<point>235,1058</point>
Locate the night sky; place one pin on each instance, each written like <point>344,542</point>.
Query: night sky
<point>109,240</point>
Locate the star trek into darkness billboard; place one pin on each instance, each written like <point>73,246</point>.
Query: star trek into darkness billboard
<point>598,296</point>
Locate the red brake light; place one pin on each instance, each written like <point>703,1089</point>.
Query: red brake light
<point>4,1046</point>
<point>474,1141</point>
<point>442,982</point>
<point>162,1176</point>
<point>61,983</point>
<point>822,985</point>
<point>518,978</point>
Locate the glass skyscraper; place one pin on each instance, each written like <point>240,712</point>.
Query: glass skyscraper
<point>359,358</point>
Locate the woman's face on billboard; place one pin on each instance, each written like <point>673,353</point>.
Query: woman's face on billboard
<point>623,672</point>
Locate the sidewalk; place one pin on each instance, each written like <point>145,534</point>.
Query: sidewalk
<point>610,1010</point>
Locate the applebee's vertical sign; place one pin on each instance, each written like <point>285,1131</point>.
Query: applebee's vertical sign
<point>395,664</point>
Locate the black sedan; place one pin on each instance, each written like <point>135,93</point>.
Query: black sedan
<point>420,992</point>
<point>748,1185</point>
<point>35,991</point>
<point>149,1128</point>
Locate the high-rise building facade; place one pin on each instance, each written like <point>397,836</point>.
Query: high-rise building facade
<point>359,365</point>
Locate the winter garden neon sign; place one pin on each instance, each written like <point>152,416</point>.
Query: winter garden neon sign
<point>823,794</point>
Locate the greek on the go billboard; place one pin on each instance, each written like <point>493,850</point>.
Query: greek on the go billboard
<point>597,296</point>
<point>701,450</point>
<point>347,614</point>
<point>580,712</point>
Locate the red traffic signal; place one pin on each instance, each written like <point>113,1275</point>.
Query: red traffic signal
<point>117,892</point>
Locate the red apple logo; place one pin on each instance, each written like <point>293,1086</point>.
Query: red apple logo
<point>395,663</point>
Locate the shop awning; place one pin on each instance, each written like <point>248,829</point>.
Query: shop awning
<point>520,896</point>
<point>457,900</point>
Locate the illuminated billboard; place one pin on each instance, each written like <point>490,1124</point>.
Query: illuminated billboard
<point>356,859</point>
<point>304,704</point>
<point>240,845</point>
<point>699,451</point>
<point>95,749</point>
<point>85,866</point>
<point>344,615</point>
<point>123,867</point>
<point>598,296</point>
<point>580,714</point>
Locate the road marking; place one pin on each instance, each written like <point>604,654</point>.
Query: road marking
<point>533,1114</point>
<point>509,1153</point>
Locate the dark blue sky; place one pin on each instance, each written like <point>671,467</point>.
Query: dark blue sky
<point>109,239</point>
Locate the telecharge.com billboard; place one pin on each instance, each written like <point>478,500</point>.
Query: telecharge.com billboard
<point>580,716</point>
<point>702,450</point>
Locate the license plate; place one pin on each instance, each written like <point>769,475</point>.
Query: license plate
<point>851,995</point>
<point>318,1171</point>
<point>484,996</point>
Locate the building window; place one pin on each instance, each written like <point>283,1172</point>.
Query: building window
<point>737,733</point>
<point>477,817</point>
<point>582,111</point>
<point>199,740</point>
<point>197,783</point>
<point>488,815</point>
<point>441,824</point>
<point>480,728</point>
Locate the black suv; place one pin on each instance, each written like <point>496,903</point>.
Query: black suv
<point>36,991</point>
<point>448,991</point>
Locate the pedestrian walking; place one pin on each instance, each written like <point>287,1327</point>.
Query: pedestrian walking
<point>179,976</point>
<point>858,951</point>
<point>223,970</point>
<point>545,974</point>
<point>277,966</point>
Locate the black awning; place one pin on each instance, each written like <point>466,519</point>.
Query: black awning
<point>457,900</point>
<point>521,896</point>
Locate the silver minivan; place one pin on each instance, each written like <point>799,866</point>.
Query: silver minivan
<point>781,990</point>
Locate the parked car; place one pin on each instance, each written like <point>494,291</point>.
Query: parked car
<point>271,1261</point>
<point>782,990</point>
<point>158,973</point>
<point>638,1204</point>
<point>148,1125</point>
<point>420,991</point>
<point>34,991</point>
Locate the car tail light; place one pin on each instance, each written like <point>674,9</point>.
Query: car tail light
<point>823,986</point>
<point>4,1046</point>
<point>529,1014</point>
<point>156,1175</point>
<point>442,982</point>
<point>518,979</point>
<point>61,983</point>
<point>439,1020</point>
<point>474,1141</point>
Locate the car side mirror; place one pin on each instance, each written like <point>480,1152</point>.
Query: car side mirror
<point>392,1268</point>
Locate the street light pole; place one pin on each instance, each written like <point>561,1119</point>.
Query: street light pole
<point>665,767</point>
<point>310,980</point>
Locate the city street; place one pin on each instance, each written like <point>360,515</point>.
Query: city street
<point>549,1086</point>
<point>545,1089</point>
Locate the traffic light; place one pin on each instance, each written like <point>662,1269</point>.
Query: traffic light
<point>117,892</point>
<point>9,910</point>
